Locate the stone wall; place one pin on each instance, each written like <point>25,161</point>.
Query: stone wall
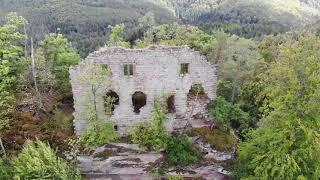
<point>156,72</point>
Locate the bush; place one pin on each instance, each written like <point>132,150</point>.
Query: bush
<point>6,169</point>
<point>154,136</point>
<point>97,134</point>
<point>38,161</point>
<point>227,115</point>
<point>224,89</point>
<point>148,137</point>
<point>181,152</point>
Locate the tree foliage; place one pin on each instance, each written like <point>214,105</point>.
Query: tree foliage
<point>228,115</point>
<point>245,18</point>
<point>178,35</point>
<point>96,77</point>
<point>152,136</point>
<point>84,23</point>
<point>116,36</point>
<point>97,134</point>
<point>11,55</point>
<point>38,161</point>
<point>286,145</point>
<point>54,57</point>
<point>181,152</point>
<point>6,169</point>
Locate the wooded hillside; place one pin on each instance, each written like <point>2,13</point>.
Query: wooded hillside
<point>84,22</point>
<point>248,18</point>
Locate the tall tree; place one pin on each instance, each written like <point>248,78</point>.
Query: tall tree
<point>116,36</point>
<point>237,62</point>
<point>55,55</point>
<point>96,77</point>
<point>287,143</point>
<point>11,55</point>
<point>147,21</point>
<point>34,75</point>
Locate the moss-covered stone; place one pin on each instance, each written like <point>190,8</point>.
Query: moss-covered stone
<point>218,139</point>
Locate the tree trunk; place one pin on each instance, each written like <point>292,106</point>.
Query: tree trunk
<point>235,83</point>
<point>25,40</point>
<point>94,101</point>
<point>234,89</point>
<point>2,148</point>
<point>52,70</point>
<point>193,106</point>
<point>34,75</point>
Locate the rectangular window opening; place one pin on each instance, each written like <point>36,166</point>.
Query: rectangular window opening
<point>184,68</point>
<point>128,69</point>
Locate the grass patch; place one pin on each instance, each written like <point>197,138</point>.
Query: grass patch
<point>218,139</point>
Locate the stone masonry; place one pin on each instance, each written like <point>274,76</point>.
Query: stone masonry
<point>154,71</point>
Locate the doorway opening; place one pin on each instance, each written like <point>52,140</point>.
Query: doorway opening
<point>171,108</point>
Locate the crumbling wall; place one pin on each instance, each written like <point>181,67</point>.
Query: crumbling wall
<point>156,72</point>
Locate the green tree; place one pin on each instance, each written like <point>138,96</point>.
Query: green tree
<point>181,152</point>
<point>38,161</point>
<point>6,169</point>
<point>147,21</point>
<point>152,136</point>
<point>96,77</point>
<point>228,115</point>
<point>116,36</point>
<point>11,55</point>
<point>178,35</point>
<point>286,145</point>
<point>54,57</point>
<point>238,61</point>
<point>97,134</point>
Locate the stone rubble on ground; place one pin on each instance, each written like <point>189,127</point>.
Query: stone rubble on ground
<point>212,154</point>
<point>128,161</point>
<point>118,159</point>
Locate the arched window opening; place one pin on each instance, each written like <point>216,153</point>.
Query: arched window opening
<point>111,99</point>
<point>197,93</point>
<point>171,108</point>
<point>139,99</point>
<point>196,90</point>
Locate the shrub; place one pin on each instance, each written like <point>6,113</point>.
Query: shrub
<point>228,115</point>
<point>154,136</point>
<point>148,137</point>
<point>98,133</point>
<point>6,169</point>
<point>224,89</point>
<point>38,161</point>
<point>181,152</point>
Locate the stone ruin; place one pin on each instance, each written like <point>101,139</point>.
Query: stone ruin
<point>138,77</point>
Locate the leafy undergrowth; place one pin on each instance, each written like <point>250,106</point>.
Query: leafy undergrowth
<point>180,152</point>
<point>218,139</point>
<point>55,126</point>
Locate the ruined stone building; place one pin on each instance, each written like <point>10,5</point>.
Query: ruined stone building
<point>139,76</point>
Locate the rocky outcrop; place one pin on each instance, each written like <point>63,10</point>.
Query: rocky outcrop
<point>123,160</point>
